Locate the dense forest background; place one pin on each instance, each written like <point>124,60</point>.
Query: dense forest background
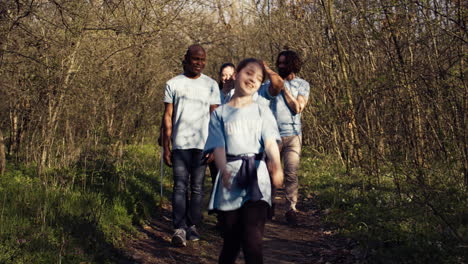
<point>81,87</point>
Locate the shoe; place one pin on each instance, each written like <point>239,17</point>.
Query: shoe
<point>178,238</point>
<point>291,217</point>
<point>192,234</point>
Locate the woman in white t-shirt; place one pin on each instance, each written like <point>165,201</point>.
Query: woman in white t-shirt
<point>241,133</point>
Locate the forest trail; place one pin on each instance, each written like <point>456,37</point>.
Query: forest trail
<point>309,242</point>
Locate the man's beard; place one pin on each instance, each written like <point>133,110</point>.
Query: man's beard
<point>284,72</point>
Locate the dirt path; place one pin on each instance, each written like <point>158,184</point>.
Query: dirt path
<point>309,242</point>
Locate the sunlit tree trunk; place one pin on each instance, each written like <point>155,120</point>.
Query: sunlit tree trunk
<point>55,103</point>
<point>351,126</point>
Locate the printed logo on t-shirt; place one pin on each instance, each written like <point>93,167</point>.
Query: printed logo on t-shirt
<point>243,127</point>
<point>190,93</point>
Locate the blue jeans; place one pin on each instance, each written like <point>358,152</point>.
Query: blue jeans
<point>187,202</point>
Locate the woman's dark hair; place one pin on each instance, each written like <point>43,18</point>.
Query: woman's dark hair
<point>293,62</point>
<point>225,65</point>
<point>245,62</point>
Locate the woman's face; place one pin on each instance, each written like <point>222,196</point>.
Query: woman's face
<point>249,79</point>
<point>227,75</point>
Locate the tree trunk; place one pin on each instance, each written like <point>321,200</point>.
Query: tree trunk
<point>2,154</point>
<point>354,142</point>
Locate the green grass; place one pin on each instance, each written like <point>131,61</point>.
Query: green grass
<point>395,218</point>
<point>79,214</point>
<point>84,213</point>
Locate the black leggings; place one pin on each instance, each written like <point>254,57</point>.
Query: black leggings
<point>243,228</point>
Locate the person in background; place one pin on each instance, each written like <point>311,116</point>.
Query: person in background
<point>287,108</point>
<point>242,133</point>
<point>226,84</point>
<point>189,99</point>
<point>226,80</point>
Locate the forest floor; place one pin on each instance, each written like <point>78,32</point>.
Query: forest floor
<point>311,241</point>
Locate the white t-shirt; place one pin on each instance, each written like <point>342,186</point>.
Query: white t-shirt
<point>191,99</point>
<point>289,124</point>
<point>241,131</point>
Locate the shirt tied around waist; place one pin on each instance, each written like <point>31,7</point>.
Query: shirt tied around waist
<point>246,177</point>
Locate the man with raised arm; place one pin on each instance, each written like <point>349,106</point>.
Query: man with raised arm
<point>189,99</point>
<point>287,108</point>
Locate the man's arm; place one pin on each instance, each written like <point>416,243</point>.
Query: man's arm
<point>167,135</point>
<point>276,82</point>
<point>297,105</point>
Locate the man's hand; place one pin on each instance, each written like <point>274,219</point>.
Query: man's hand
<point>168,158</point>
<point>276,82</point>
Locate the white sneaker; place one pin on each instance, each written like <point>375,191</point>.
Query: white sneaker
<point>178,238</point>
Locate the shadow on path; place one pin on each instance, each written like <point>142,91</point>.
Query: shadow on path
<point>309,242</point>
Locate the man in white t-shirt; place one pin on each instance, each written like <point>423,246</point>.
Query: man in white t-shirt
<point>189,99</point>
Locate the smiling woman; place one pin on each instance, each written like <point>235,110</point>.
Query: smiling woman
<point>250,75</point>
<point>226,80</point>
<point>241,133</point>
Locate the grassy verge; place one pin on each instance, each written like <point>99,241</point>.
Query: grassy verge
<point>79,214</point>
<point>394,215</point>
<point>83,214</point>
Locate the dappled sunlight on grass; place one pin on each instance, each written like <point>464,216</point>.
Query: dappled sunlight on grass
<point>86,219</point>
<point>395,218</point>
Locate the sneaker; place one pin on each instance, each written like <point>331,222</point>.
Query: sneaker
<point>192,234</point>
<point>178,238</point>
<point>291,217</point>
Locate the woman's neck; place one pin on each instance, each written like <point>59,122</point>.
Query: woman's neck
<point>225,90</point>
<point>240,101</point>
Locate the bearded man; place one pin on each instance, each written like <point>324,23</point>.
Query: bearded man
<point>287,108</point>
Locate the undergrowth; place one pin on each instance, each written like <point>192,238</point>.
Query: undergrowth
<point>84,214</point>
<point>80,214</point>
<point>397,215</point>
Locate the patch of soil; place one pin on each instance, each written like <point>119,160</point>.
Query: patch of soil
<point>308,242</point>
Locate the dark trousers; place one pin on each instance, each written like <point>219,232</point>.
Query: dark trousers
<point>243,228</point>
<point>188,170</point>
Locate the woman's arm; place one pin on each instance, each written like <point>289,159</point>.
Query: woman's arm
<point>272,152</point>
<point>220,160</point>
